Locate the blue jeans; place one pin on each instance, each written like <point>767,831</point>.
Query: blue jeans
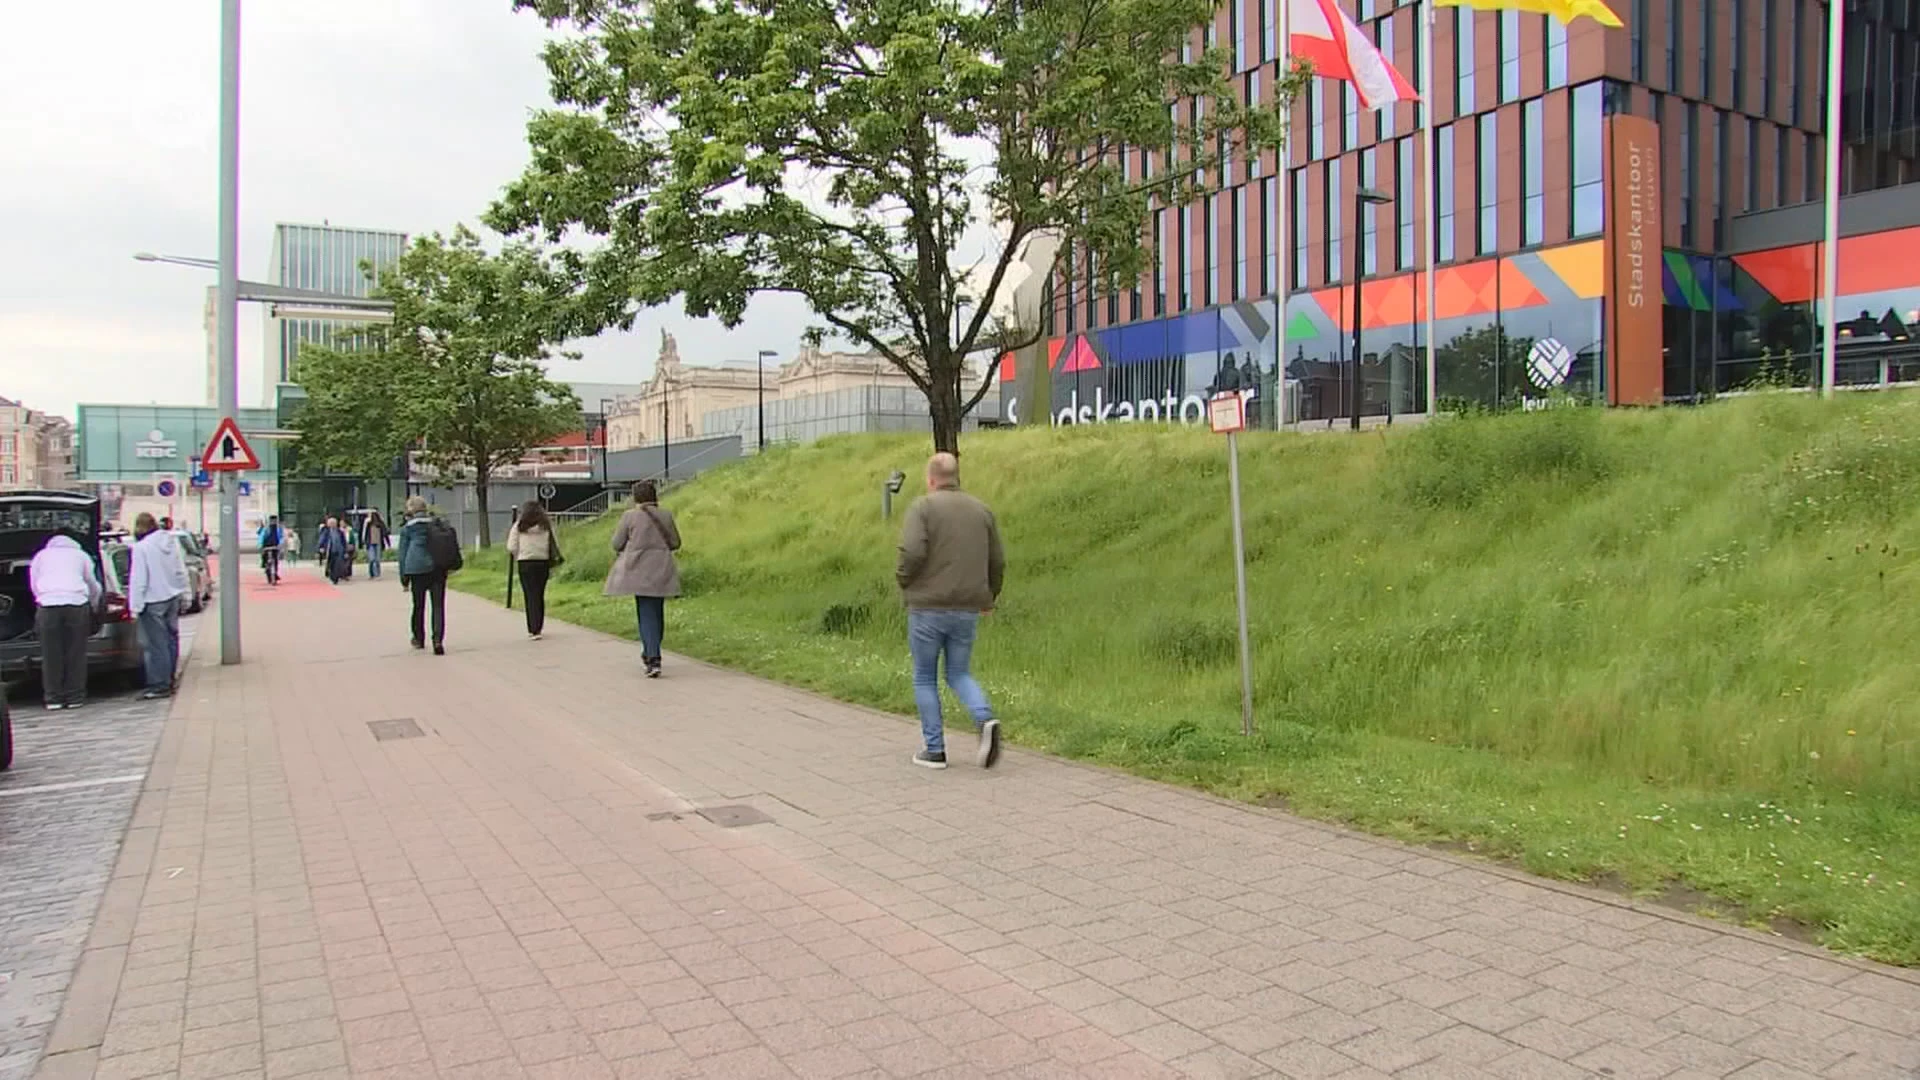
<point>160,643</point>
<point>652,611</point>
<point>929,635</point>
<point>373,562</point>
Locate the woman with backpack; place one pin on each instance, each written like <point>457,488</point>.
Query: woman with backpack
<point>535,551</point>
<point>644,567</point>
<point>429,551</point>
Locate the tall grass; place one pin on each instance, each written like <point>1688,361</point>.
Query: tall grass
<point>1519,632</point>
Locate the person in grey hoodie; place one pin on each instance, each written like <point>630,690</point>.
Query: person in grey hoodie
<point>66,589</point>
<point>159,581</point>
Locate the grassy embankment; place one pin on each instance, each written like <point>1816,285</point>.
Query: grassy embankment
<point>1673,649</point>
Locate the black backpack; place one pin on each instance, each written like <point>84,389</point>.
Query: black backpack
<point>443,546</point>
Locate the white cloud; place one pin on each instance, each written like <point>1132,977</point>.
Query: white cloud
<point>399,114</point>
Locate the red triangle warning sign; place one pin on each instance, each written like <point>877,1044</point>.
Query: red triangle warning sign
<point>228,451</point>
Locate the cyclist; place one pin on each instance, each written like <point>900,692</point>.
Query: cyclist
<point>270,543</point>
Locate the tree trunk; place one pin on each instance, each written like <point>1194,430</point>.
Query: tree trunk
<point>480,481</point>
<point>943,407</point>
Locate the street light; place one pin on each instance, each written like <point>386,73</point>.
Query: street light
<point>1362,198</point>
<point>760,365</point>
<point>177,260</point>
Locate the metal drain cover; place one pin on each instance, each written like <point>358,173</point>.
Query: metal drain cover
<point>734,816</point>
<point>403,728</point>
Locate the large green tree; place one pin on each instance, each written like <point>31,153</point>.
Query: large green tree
<point>458,377</point>
<point>847,151</point>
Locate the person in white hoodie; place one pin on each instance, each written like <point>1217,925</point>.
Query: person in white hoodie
<point>159,581</point>
<point>66,589</point>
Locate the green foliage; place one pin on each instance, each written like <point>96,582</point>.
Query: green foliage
<point>842,152</point>
<point>1662,646</point>
<point>457,377</point>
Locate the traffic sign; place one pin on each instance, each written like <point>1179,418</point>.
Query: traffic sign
<point>548,491</point>
<point>166,485</point>
<point>1228,413</point>
<point>198,478</point>
<point>228,451</point>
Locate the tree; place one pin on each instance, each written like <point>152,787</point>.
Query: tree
<point>458,376</point>
<point>843,150</point>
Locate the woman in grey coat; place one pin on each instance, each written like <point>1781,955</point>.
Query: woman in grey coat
<point>644,567</point>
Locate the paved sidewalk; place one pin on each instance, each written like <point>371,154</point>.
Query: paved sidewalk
<point>526,888</point>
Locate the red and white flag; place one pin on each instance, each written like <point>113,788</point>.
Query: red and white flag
<point>1324,37</point>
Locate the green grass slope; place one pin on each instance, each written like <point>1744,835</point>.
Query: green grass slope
<point>1671,649</point>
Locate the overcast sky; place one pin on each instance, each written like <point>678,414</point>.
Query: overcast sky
<point>391,114</point>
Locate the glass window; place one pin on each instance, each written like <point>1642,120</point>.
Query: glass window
<point>1331,211</point>
<point>1269,255</point>
<point>1753,165</point>
<point>1533,181</point>
<point>1383,118</point>
<point>1487,156</point>
<point>1736,19</point>
<point>1706,50</point>
<point>1767,49</point>
<point>1444,196</point>
<point>1509,55</point>
<point>1589,203</point>
<point>1403,198</point>
<point>1209,249</point>
<point>1297,220</point>
<point>1266,31</point>
<point>1636,28</point>
<point>1369,217</point>
<point>1780,197</point>
<point>1688,117</point>
<point>1673,48</point>
<point>1253,99</point>
<point>1238,32</point>
<point>1463,96</point>
<point>1720,189</point>
<point>1316,120</point>
<point>1237,242</point>
<point>1196,115</point>
<point>1795,94</point>
<point>1349,117</point>
<point>1183,278</point>
<point>1160,262</point>
<point>1556,52</point>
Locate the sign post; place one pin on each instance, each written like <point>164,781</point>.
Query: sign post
<point>167,486</point>
<point>199,480</point>
<point>1228,414</point>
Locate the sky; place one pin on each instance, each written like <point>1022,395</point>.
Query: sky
<point>392,114</point>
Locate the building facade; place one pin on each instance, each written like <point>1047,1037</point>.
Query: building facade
<point>671,403</point>
<point>328,258</point>
<point>1571,165</point>
<point>36,448</point>
<point>126,450</point>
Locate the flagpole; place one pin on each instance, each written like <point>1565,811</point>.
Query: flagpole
<point>1430,199</point>
<point>1282,209</point>
<point>1830,268</point>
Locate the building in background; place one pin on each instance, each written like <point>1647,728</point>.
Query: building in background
<point>125,450</point>
<point>1559,150</point>
<point>36,448</point>
<point>328,258</point>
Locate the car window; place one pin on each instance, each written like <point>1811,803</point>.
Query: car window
<point>119,559</point>
<point>18,518</point>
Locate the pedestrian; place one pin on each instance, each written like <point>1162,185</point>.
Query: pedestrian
<point>292,536</point>
<point>373,538</point>
<point>535,550</point>
<point>423,572</point>
<point>271,539</point>
<point>158,582</point>
<point>330,547</point>
<point>644,567</point>
<point>950,571</point>
<point>66,589</point>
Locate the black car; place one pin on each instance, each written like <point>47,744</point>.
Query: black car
<point>27,519</point>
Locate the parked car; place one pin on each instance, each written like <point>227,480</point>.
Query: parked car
<point>199,573</point>
<point>27,518</point>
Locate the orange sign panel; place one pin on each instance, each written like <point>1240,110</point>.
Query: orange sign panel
<point>1636,368</point>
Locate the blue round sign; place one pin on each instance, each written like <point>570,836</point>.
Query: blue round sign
<point>166,489</point>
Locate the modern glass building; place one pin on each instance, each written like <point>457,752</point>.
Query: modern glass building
<point>1571,165</point>
<point>328,258</point>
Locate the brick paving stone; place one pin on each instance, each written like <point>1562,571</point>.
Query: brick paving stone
<point>526,890</point>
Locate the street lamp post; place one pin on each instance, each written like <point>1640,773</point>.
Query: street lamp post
<point>606,434</point>
<point>666,444</point>
<point>227,375</point>
<point>760,364</point>
<point>1362,198</point>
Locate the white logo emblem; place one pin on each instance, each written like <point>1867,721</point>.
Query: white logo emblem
<point>156,445</point>
<point>1548,364</point>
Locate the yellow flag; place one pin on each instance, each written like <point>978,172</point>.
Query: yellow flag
<point>1564,10</point>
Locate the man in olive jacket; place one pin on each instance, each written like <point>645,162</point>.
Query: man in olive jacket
<point>950,571</point>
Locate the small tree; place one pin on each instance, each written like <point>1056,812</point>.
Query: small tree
<point>841,150</point>
<point>457,376</point>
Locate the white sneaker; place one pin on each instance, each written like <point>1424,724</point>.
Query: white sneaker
<point>989,743</point>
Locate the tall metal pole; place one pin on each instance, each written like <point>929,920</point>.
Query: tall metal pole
<point>1830,251</point>
<point>1359,265</point>
<point>760,395</point>
<point>666,443</point>
<point>1430,201</point>
<point>227,317</point>
<point>1283,212</point>
<point>1240,587</point>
